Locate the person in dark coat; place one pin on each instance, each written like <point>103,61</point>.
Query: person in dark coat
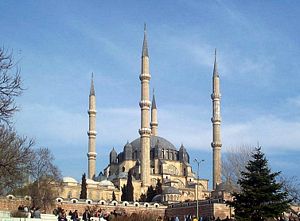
<point>86,216</point>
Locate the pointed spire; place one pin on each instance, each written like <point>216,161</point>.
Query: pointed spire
<point>92,91</point>
<point>153,105</point>
<point>145,44</point>
<point>215,73</point>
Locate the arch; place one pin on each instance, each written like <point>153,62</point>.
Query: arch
<point>74,200</point>
<point>136,204</point>
<point>123,169</point>
<point>59,199</point>
<point>171,169</point>
<point>102,202</point>
<point>156,205</point>
<point>88,201</point>
<point>114,203</point>
<point>125,203</point>
<point>10,197</point>
<point>146,204</point>
<point>27,197</point>
<point>179,183</point>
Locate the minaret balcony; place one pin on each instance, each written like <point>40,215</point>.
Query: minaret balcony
<point>145,103</point>
<point>145,76</point>
<point>216,120</point>
<point>216,145</point>
<point>92,112</point>
<point>154,124</point>
<point>145,131</point>
<point>91,155</point>
<point>215,96</point>
<point>92,133</point>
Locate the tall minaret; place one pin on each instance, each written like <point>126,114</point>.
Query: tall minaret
<point>145,103</point>
<point>92,132</point>
<point>154,122</point>
<point>216,123</point>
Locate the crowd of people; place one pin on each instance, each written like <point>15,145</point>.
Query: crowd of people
<point>87,215</point>
<point>33,212</point>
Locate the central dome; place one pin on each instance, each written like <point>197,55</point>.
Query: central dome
<point>154,141</point>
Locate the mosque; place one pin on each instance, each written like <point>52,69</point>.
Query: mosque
<point>150,157</point>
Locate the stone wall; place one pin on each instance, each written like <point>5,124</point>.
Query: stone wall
<point>11,203</point>
<point>207,208</point>
<point>128,208</point>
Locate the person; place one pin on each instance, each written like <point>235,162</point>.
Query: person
<point>86,216</point>
<point>75,216</point>
<point>159,218</point>
<point>37,213</point>
<point>218,219</point>
<point>176,218</point>
<point>62,216</point>
<point>195,218</point>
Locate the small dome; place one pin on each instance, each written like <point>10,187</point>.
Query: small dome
<point>69,180</point>
<point>106,183</point>
<point>128,145</point>
<point>182,148</point>
<point>158,198</point>
<point>89,181</point>
<point>113,152</point>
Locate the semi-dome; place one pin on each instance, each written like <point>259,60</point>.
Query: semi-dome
<point>155,141</point>
<point>90,181</point>
<point>170,190</point>
<point>69,180</point>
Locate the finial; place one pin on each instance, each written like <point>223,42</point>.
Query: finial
<point>145,45</point>
<point>145,26</point>
<point>215,72</point>
<point>92,91</point>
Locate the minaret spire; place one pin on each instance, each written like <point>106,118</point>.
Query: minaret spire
<point>216,123</point>
<point>92,90</point>
<point>145,103</point>
<point>154,122</point>
<point>145,44</point>
<point>92,132</point>
<point>215,72</point>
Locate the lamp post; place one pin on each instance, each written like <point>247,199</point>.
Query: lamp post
<point>198,165</point>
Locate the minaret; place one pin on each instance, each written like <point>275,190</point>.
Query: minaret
<point>154,122</point>
<point>92,132</point>
<point>216,123</point>
<point>145,103</point>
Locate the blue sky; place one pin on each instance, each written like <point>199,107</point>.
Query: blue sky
<point>58,44</point>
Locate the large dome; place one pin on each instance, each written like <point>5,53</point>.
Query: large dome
<point>154,140</point>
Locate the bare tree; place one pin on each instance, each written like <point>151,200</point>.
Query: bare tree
<point>233,163</point>
<point>46,179</point>
<point>292,186</point>
<point>16,155</point>
<point>10,86</point>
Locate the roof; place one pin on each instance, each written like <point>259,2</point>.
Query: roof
<point>155,141</point>
<point>170,190</point>
<point>68,179</point>
<point>106,183</point>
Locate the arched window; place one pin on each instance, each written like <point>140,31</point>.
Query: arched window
<point>123,169</point>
